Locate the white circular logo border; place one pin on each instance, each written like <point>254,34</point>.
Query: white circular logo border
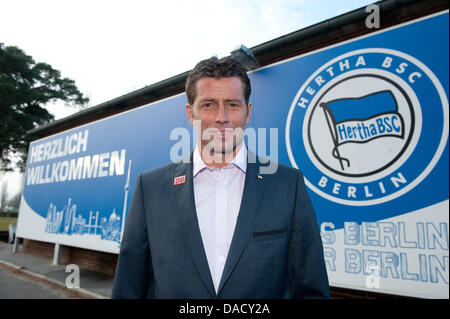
<point>399,162</point>
<point>431,164</point>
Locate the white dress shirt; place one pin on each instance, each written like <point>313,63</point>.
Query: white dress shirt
<point>218,194</point>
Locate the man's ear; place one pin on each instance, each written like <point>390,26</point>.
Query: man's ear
<point>249,112</point>
<point>189,113</point>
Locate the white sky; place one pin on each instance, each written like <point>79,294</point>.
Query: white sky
<point>111,48</point>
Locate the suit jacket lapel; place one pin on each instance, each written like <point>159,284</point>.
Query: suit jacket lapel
<point>184,194</point>
<point>253,190</point>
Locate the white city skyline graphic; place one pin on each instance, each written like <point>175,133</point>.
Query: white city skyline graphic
<point>68,221</point>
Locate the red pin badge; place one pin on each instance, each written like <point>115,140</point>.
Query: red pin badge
<point>179,180</point>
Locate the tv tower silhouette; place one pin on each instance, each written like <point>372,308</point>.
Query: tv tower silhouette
<point>126,189</point>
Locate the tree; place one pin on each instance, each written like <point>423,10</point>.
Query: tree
<point>13,203</point>
<point>25,88</point>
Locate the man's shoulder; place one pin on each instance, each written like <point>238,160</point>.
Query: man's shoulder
<point>270,167</point>
<point>289,170</point>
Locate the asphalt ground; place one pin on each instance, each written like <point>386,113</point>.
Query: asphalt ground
<point>17,286</point>
<point>22,275</point>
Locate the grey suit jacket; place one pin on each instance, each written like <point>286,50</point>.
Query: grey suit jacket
<point>276,250</point>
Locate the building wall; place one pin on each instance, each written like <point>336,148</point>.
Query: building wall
<point>101,262</point>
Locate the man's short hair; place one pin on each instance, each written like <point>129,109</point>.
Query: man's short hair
<point>215,68</point>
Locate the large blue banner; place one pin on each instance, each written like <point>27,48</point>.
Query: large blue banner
<point>366,121</point>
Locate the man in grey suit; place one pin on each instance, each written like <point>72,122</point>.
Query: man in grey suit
<point>214,226</point>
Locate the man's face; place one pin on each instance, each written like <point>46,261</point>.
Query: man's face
<point>220,108</point>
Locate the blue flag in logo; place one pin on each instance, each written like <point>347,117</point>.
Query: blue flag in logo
<point>364,107</point>
<point>359,120</point>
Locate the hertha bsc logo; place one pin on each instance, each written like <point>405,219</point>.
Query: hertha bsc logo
<point>368,126</point>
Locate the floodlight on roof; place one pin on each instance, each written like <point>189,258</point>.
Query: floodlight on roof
<point>245,57</point>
